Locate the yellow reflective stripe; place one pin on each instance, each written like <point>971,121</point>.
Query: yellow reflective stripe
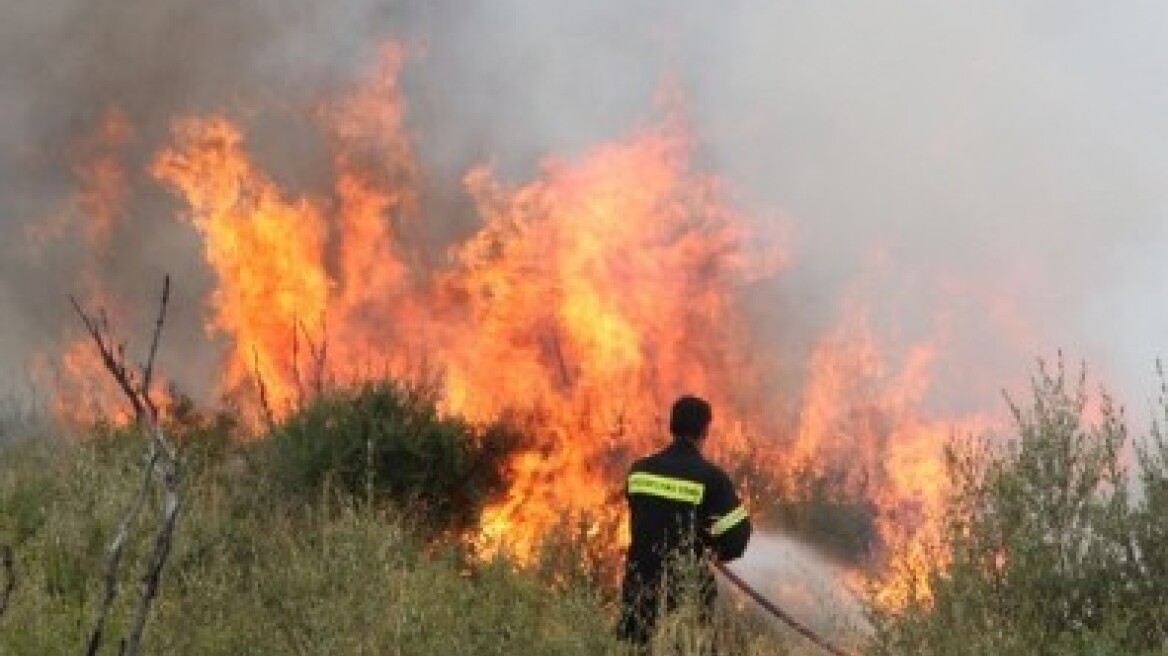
<point>676,489</point>
<point>728,521</point>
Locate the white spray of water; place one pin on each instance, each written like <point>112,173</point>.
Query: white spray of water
<point>810,587</point>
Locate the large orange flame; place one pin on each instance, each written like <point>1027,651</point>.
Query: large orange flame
<point>588,298</point>
<point>602,290</point>
<point>267,251</point>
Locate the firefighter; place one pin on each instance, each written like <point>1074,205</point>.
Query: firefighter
<point>682,507</point>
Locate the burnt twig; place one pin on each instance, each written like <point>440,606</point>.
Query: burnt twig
<point>148,368</point>
<point>296,367</point>
<point>114,554</point>
<point>162,467</point>
<point>112,355</point>
<point>8,561</point>
<point>561,362</point>
<point>319,358</point>
<point>262,388</point>
<point>163,538</point>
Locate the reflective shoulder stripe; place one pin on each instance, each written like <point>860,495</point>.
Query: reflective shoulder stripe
<point>728,521</point>
<point>676,489</point>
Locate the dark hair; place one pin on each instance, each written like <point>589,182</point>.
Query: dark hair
<point>690,416</point>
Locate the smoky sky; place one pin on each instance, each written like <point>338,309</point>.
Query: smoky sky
<point>992,170</point>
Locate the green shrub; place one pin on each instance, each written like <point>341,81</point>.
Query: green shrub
<point>383,441</point>
<point>1052,547</point>
<point>258,570</point>
<point>204,438</point>
<point>252,573</point>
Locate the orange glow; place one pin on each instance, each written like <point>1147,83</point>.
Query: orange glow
<point>102,176</point>
<point>266,251</point>
<point>604,288</point>
<point>82,389</point>
<point>102,188</point>
<point>588,297</point>
<point>862,410</point>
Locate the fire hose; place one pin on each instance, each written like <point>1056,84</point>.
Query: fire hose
<point>778,613</point>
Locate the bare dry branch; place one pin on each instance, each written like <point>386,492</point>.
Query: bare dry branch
<point>112,356</point>
<point>265,403</point>
<point>162,466</point>
<point>8,561</point>
<point>558,351</point>
<point>163,538</point>
<point>321,365</point>
<point>296,366</point>
<point>319,356</point>
<point>114,554</point>
<point>148,368</point>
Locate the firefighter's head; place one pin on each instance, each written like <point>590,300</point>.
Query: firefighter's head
<point>690,419</point>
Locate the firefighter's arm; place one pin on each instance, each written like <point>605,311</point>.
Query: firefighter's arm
<point>729,522</point>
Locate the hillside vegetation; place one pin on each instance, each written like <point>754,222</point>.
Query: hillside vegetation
<point>339,533</point>
<point>331,536</point>
<point>1055,543</point>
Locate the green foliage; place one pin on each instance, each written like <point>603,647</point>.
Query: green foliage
<point>254,573</point>
<point>204,438</point>
<point>577,553</point>
<point>383,441</point>
<point>1053,548</point>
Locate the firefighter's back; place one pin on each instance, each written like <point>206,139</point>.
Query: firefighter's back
<point>666,493</point>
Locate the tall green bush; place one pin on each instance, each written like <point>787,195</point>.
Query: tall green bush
<point>385,441</point>
<point>1053,547</point>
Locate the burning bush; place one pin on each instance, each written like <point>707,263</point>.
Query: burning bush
<point>820,508</point>
<point>385,441</point>
<point>1051,546</point>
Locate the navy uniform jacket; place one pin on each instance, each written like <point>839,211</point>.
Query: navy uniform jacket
<point>678,500</point>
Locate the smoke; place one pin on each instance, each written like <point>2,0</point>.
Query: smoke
<point>803,583</point>
<point>991,170</point>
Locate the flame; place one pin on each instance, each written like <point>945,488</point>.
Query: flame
<point>376,187</point>
<point>862,409</point>
<point>270,251</point>
<point>605,287</point>
<point>587,299</point>
<point>82,389</point>
<point>103,180</point>
<point>267,252</point>
<point>103,189</point>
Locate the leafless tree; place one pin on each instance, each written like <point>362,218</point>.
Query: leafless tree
<point>162,471</point>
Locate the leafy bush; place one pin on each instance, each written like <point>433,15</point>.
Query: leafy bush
<point>267,560</point>
<point>1051,546</point>
<point>383,441</point>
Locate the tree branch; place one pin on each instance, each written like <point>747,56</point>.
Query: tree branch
<point>162,467</point>
<point>98,328</point>
<point>114,554</point>
<point>8,561</point>
<point>163,538</point>
<point>148,368</point>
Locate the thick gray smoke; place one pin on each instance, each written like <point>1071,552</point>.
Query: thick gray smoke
<point>991,169</point>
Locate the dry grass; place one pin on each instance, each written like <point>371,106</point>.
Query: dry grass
<point>254,573</point>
